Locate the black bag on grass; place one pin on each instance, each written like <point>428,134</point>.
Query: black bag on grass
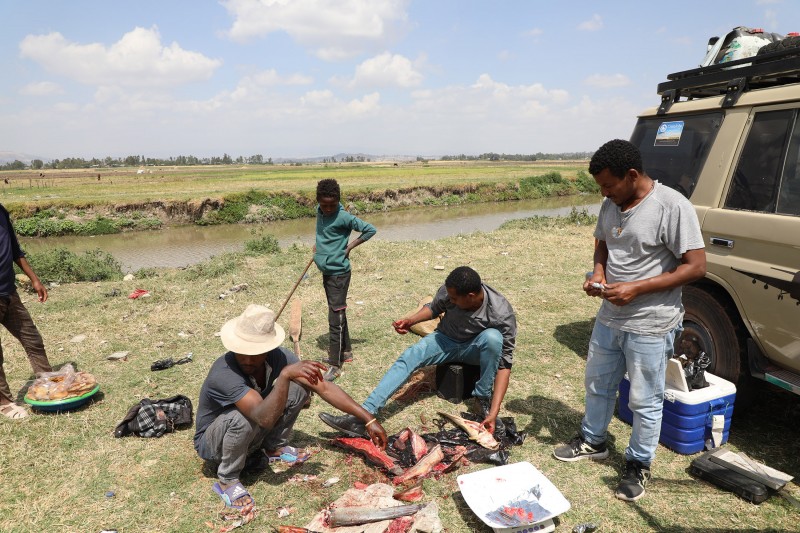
<point>150,418</point>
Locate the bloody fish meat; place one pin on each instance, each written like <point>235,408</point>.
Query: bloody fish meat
<point>373,454</point>
<point>410,494</point>
<point>423,467</point>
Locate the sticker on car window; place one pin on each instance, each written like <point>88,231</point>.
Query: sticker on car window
<point>669,133</point>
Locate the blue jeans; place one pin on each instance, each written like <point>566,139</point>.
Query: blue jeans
<point>483,350</point>
<point>613,352</point>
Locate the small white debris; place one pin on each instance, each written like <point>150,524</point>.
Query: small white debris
<point>438,267</point>
<point>359,302</point>
<point>78,338</point>
<point>183,335</point>
<point>129,277</point>
<point>118,356</point>
<point>330,481</point>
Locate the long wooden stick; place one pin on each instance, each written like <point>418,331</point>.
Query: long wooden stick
<point>293,288</point>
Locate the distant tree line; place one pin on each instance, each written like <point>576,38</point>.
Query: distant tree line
<point>257,159</point>
<point>136,161</point>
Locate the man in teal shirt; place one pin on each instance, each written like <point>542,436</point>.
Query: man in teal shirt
<point>332,256</point>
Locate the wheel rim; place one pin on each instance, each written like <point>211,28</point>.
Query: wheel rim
<point>696,339</point>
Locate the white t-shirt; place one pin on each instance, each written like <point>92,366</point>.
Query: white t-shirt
<point>645,241</point>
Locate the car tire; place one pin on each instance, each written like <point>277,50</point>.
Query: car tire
<point>711,323</point>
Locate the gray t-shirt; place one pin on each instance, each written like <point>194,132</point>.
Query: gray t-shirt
<point>226,384</point>
<point>461,326</point>
<point>645,241</point>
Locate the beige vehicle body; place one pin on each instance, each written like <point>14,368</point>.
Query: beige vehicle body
<point>733,149</point>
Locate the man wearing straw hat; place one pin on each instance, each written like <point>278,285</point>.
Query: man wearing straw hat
<point>252,396</point>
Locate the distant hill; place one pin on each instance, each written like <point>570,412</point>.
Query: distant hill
<point>10,157</point>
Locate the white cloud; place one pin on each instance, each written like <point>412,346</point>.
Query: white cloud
<point>771,16</point>
<point>533,32</point>
<point>41,88</point>
<point>607,81</point>
<point>386,70</point>
<point>138,59</point>
<point>504,55</point>
<point>334,29</point>
<point>593,24</point>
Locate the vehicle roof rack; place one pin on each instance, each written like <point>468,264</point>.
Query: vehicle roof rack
<point>732,78</point>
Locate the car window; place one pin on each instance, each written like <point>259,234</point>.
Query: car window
<point>789,194</point>
<point>757,176</point>
<point>674,148</point>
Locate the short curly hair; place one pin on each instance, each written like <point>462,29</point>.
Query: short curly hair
<point>618,157</point>
<point>328,188</point>
<point>464,280</point>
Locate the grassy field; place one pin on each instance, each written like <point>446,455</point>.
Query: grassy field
<point>57,469</point>
<point>80,188</point>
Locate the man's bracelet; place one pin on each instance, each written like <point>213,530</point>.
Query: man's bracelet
<point>370,422</point>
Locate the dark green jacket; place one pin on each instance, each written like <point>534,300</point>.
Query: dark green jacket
<point>333,234</point>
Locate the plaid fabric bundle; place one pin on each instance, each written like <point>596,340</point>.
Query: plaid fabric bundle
<point>150,418</point>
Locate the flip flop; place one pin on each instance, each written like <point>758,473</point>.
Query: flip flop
<point>290,455</point>
<point>231,494</point>
<point>13,411</point>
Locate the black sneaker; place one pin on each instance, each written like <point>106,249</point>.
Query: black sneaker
<point>347,424</point>
<point>484,405</point>
<point>578,449</point>
<point>631,486</point>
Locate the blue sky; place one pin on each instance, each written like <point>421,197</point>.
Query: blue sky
<point>303,78</point>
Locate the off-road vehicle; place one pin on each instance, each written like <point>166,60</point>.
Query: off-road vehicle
<point>727,136</point>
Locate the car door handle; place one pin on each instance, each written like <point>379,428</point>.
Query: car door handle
<point>719,241</point>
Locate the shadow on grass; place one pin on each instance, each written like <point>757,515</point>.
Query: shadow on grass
<point>575,336</point>
<point>683,523</point>
<point>769,429</point>
<point>323,342</point>
<point>552,421</point>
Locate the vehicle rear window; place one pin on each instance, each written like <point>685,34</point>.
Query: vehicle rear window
<point>674,148</point>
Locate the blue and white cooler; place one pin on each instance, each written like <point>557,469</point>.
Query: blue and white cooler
<point>690,418</point>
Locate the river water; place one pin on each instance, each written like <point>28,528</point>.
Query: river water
<point>179,246</point>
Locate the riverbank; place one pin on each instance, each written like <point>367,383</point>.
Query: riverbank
<point>73,204</point>
<point>62,466</point>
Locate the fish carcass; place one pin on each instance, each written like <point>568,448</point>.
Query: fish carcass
<point>423,467</point>
<point>373,454</point>
<point>475,430</point>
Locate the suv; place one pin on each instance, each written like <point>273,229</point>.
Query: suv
<point>732,146</point>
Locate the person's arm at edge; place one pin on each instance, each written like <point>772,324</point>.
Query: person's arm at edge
<point>37,285</point>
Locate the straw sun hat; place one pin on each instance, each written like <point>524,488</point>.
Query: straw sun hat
<point>253,332</point>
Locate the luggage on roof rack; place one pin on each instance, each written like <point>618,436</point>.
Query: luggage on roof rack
<point>732,78</point>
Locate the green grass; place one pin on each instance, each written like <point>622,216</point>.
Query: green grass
<point>56,469</point>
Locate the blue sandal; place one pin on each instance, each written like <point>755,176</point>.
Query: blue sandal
<point>231,494</point>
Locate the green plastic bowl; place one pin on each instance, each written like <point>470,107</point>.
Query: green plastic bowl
<point>66,404</point>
